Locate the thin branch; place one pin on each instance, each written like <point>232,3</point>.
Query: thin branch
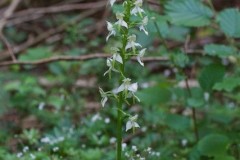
<point>8,13</point>
<point>60,8</point>
<point>74,58</point>
<point>3,21</point>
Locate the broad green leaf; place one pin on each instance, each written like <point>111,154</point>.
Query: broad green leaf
<point>213,144</point>
<point>191,13</point>
<point>228,84</point>
<point>229,20</point>
<point>195,103</point>
<point>180,59</point>
<point>177,122</point>
<point>154,95</point>
<point>210,75</point>
<point>219,50</point>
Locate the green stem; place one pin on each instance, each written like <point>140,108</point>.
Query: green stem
<point>119,128</point>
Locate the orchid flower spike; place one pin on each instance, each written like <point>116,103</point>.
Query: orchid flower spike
<point>116,56</point>
<point>110,64</point>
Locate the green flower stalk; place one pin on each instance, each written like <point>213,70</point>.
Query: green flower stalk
<point>121,29</point>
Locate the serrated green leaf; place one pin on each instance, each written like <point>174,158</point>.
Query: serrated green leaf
<point>228,84</point>
<point>213,144</point>
<point>229,20</point>
<point>191,13</point>
<point>210,75</point>
<point>219,50</point>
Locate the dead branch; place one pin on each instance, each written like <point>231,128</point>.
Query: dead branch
<point>45,35</point>
<point>74,58</point>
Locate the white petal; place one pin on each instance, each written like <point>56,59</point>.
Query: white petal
<point>128,46</point>
<point>121,88</point>
<point>109,35</point>
<point>112,2</point>
<point>118,58</point>
<point>124,24</point>
<point>141,28</point>
<point>133,87</point>
<point>139,61</point>
<point>137,45</point>
<point>129,125</point>
<point>136,125</point>
<point>134,11</point>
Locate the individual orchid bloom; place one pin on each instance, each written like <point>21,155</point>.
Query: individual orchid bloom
<point>112,2</point>
<point>104,97</point>
<point>140,55</point>
<point>116,56</point>
<point>137,8</point>
<point>131,123</point>
<point>126,86</point>
<point>120,21</point>
<point>132,43</point>
<point>111,30</point>
<point>143,24</point>
<point>110,64</point>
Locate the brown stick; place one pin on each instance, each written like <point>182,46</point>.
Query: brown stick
<point>43,36</point>
<point>74,58</point>
<point>8,13</point>
<point>62,8</point>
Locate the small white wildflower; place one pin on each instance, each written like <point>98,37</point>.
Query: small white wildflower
<point>134,148</point>
<point>124,146</point>
<point>25,149</point>
<point>149,149</point>
<point>143,24</point>
<point>45,140</point>
<point>96,117</point>
<point>110,64</point>
<point>32,156</point>
<point>55,149</point>
<point>113,140</point>
<point>120,21</point>
<point>140,55</point>
<point>41,106</point>
<point>127,154</point>
<point>104,97</point>
<point>137,8</point>
<point>184,142</point>
<point>131,123</point>
<point>19,155</point>
<point>111,30</point>
<point>132,43</point>
<point>107,120</point>
<point>158,154</point>
<point>112,2</point>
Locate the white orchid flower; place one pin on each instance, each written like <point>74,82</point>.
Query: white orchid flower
<point>126,86</point>
<point>132,43</point>
<point>111,30</point>
<point>140,55</point>
<point>112,2</point>
<point>143,24</point>
<point>116,56</point>
<point>120,21</point>
<point>137,8</point>
<point>110,64</point>
<point>104,97</point>
<point>131,123</point>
